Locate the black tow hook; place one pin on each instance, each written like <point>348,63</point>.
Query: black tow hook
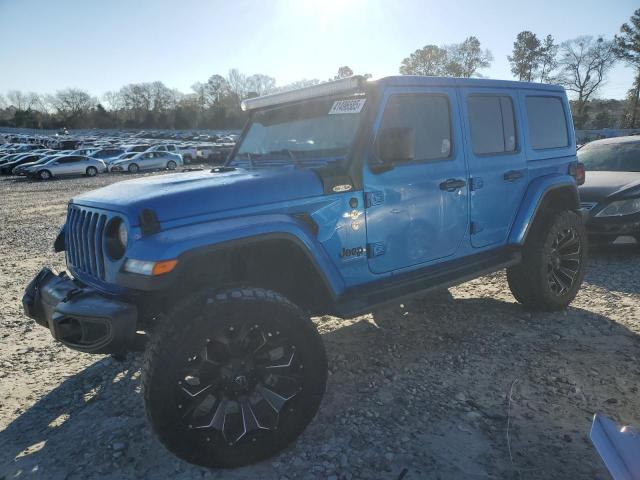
<point>72,293</point>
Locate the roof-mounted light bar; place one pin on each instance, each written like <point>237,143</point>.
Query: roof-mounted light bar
<point>321,90</point>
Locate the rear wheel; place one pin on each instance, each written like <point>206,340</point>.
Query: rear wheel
<point>232,377</point>
<point>553,263</point>
<point>133,168</point>
<point>44,175</point>
<point>92,171</point>
<point>171,165</point>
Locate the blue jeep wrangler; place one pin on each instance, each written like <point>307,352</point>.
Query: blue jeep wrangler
<point>338,198</point>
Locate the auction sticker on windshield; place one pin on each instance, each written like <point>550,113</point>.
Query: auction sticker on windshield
<point>347,106</point>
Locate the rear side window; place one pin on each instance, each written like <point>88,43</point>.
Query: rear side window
<point>492,124</point>
<point>547,123</point>
<point>429,116</point>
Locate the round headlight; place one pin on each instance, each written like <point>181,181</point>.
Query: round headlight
<point>123,234</point>
<point>116,237</point>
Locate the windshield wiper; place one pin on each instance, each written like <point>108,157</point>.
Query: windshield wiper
<point>295,159</point>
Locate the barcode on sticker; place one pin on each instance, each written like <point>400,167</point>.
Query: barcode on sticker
<point>347,106</point>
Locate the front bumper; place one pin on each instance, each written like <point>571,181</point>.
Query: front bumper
<point>613,226</point>
<point>78,316</point>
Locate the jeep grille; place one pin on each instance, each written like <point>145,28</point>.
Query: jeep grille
<point>84,240</point>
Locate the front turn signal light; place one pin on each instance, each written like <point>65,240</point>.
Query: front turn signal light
<point>160,268</point>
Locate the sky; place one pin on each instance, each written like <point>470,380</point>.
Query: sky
<point>101,45</point>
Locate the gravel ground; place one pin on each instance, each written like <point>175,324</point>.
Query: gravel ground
<point>459,384</point>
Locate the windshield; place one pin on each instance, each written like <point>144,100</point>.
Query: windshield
<point>614,157</point>
<point>307,134</point>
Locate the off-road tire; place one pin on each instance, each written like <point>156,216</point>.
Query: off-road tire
<point>531,281</point>
<point>44,175</point>
<point>190,324</point>
<point>91,171</point>
<point>133,168</point>
<point>171,165</point>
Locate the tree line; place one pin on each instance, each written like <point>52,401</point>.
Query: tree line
<point>581,65</point>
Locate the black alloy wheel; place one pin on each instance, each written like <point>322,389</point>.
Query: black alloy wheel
<point>233,377</point>
<point>564,261</point>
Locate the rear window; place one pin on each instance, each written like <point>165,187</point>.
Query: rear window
<point>547,123</point>
<point>613,157</point>
<point>492,124</point>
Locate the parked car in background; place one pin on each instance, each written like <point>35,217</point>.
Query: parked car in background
<point>67,166</point>
<point>86,151</point>
<point>188,152</point>
<point>22,170</point>
<point>136,148</point>
<point>107,155</point>
<point>610,196</point>
<point>168,147</point>
<point>7,168</point>
<point>147,161</point>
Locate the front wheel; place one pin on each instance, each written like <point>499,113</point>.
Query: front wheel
<point>44,175</point>
<point>92,171</point>
<point>133,168</point>
<point>171,165</point>
<point>553,263</point>
<point>232,377</point>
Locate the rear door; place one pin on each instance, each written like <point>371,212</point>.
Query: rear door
<point>417,212</point>
<point>497,162</point>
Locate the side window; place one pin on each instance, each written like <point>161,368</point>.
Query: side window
<point>429,116</point>
<point>492,124</point>
<point>630,158</point>
<point>547,123</point>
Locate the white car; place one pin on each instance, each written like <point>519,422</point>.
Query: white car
<point>67,165</point>
<point>188,152</point>
<point>147,161</point>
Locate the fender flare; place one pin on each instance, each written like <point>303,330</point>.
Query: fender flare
<point>533,198</point>
<point>191,241</point>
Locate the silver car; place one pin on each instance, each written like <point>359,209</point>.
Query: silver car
<point>147,161</point>
<point>68,165</point>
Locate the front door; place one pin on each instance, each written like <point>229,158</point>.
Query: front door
<point>497,163</point>
<point>417,212</point>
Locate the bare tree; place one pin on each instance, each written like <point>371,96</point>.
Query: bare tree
<point>260,84</point>
<point>19,100</point>
<point>72,104</point>
<point>237,84</point>
<point>627,48</point>
<point>584,63</point>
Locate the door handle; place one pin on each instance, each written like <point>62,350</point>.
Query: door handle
<point>452,184</point>
<point>513,175</point>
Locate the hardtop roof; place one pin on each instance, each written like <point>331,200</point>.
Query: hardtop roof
<point>423,81</point>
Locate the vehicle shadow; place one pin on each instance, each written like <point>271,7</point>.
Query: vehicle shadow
<point>422,387</point>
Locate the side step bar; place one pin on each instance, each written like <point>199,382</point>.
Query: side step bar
<point>363,299</point>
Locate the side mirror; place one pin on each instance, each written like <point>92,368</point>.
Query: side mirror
<point>396,145</point>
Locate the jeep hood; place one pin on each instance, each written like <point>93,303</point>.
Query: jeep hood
<point>189,194</point>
